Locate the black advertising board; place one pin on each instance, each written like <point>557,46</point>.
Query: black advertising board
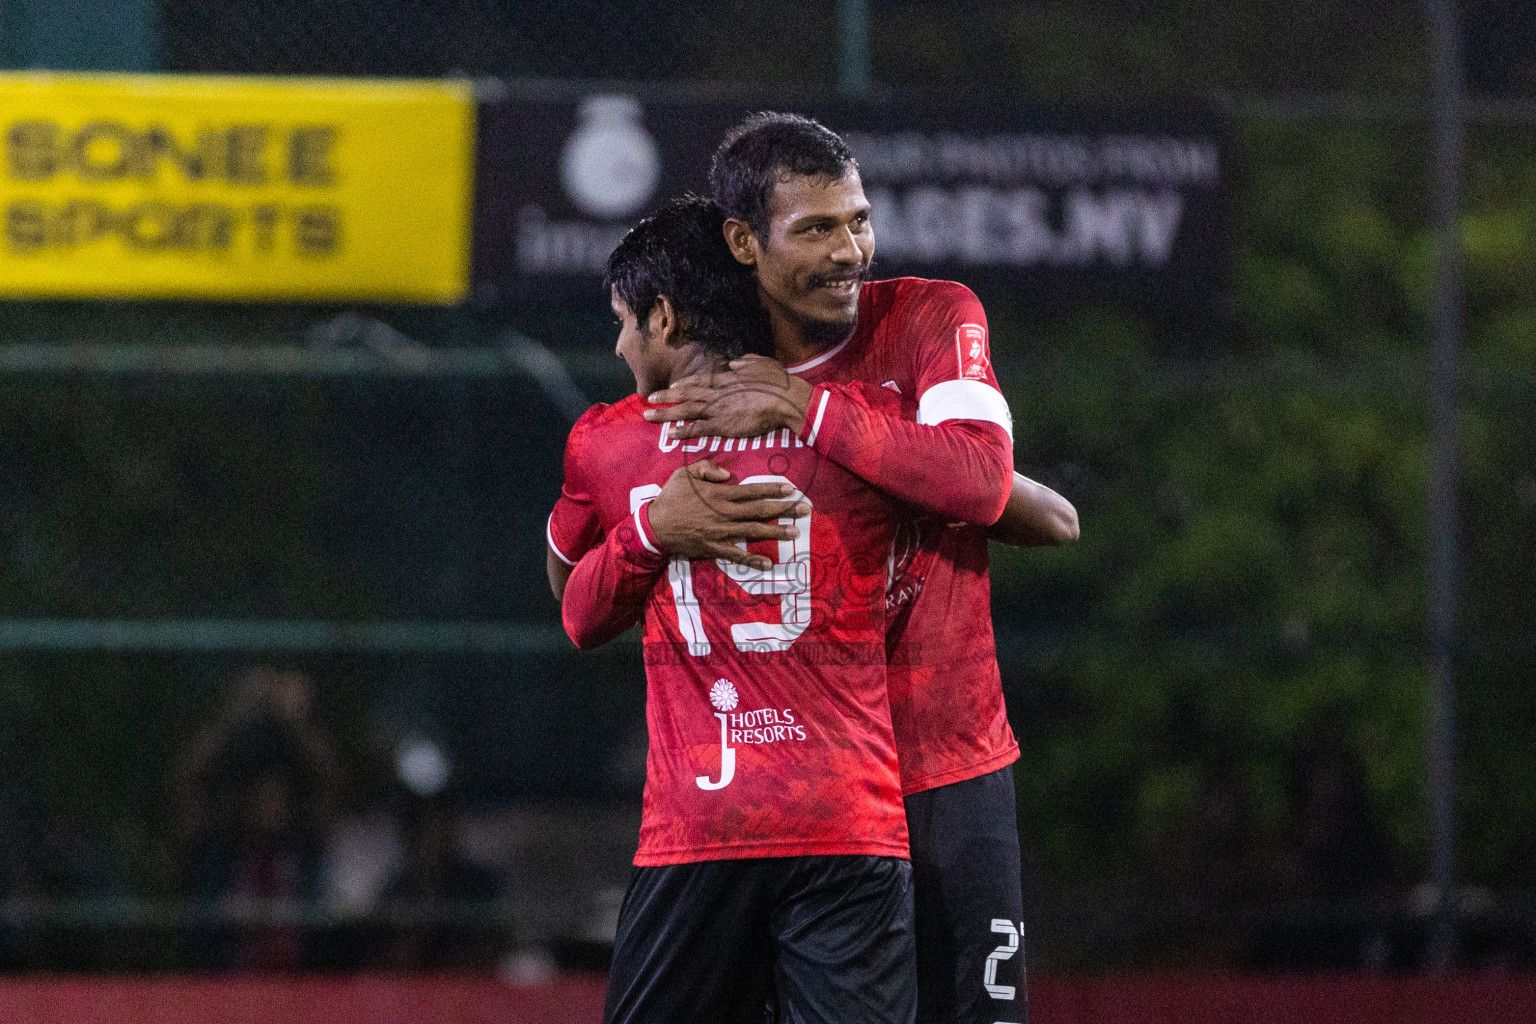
<point>1046,200</point>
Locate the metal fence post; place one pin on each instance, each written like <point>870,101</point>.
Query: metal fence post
<point>1448,121</point>
<point>853,73</point>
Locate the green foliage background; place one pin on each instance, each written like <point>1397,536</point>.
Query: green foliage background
<point>1236,641</point>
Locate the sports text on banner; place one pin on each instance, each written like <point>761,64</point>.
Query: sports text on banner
<point>141,186</point>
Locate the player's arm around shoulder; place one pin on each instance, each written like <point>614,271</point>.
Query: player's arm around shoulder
<point>947,339</point>
<point>1035,517</point>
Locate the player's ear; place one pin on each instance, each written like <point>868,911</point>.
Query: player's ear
<point>663,324</point>
<point>742,241</point>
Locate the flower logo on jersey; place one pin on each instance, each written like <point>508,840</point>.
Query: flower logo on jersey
<point>723,695</point>
<point>971,351</point>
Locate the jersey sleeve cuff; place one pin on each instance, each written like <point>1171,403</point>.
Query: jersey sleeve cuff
<point>816,426</point>
<point>638,541</point>
<point>549,537</point>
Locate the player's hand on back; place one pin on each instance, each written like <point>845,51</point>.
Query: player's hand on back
<point>701,514</point>
<point>755,395</point>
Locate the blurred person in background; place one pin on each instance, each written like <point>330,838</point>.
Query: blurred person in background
<point>402,895</point>
<point>436,877</point>
<point>365,845</point>
<point>254,788</point>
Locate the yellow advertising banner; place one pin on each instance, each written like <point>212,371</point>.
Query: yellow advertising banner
<point>192,187</point>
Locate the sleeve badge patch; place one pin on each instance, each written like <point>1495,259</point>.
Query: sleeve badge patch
<point>971,353</point>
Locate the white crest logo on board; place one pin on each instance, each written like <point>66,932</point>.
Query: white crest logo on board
<point>611,164</point>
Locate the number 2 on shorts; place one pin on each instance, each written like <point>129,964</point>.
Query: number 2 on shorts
<point>1001,926</point>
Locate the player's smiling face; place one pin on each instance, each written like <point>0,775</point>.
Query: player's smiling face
<point>817,253</point>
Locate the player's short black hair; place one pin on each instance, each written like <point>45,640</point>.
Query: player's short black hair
<point>680,252</point>
<point>768,148</point>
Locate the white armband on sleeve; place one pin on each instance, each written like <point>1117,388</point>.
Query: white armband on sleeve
<point>964,400</point>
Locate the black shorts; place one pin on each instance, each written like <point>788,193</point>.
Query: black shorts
<point>969,902</point>
<point>828,940</point>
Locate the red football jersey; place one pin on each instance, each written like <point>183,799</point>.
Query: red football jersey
<point>766,701</point>
<point>927,342</point>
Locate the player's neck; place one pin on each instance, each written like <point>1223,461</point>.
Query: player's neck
<point>695,359</point>
<point>795,341</point>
